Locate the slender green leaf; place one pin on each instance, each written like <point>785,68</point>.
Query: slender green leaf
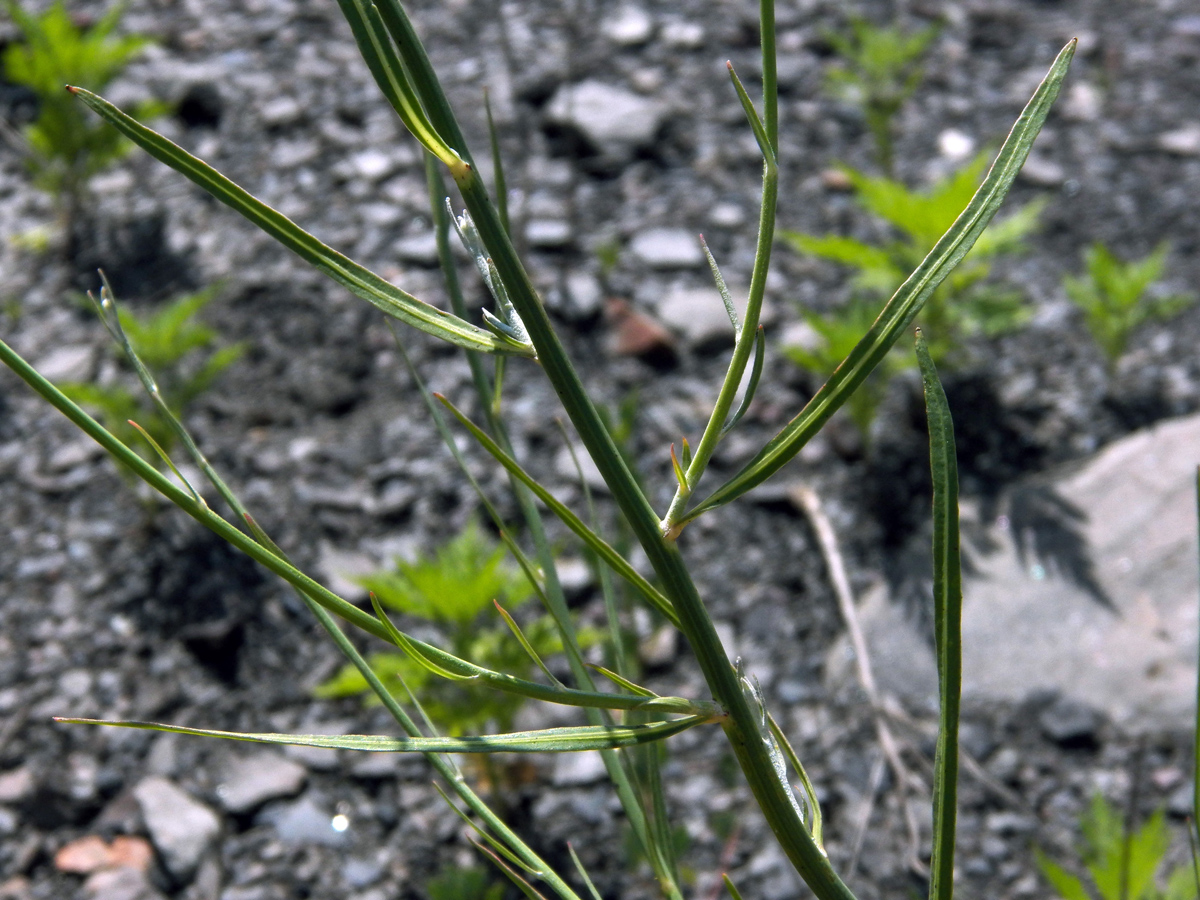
<point>596,543</point>
<point>546,740</point>
<point>378,51</point>
<point>729,886</point>
<point>760,352</point>
<point>756,124</point>
<point>583,873</point>
<point>947,615</point>
<point>500,183</point>
<point>816,820</point>
<point>495,844</point>
<point>635,689</point>
<point>907,301</point>
<point>515,877</point>
<point>357,279</point>
<point>162,454</point>
<point>722,288</point>
<point>524,642</point>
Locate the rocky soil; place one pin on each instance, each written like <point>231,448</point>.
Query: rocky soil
<point>624,140</point>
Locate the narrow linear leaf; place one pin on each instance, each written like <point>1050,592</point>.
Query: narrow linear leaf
<point>378,51</point>
<point>583,873</point>
<point>597,544</point>
<point>356,278</point>
<point>635,689</point>
<point>680,476</point>
<point>816,822</point>
<point>524,642</point>
<point>947,615</point>
<point>722,288</point>
<point>756,124</point>
<point>546,740</point>
<point>760,352</point>
<point>162,454</point>
<point>515,877</point>
<point>446,665</point>
<point>500,182</point>
<point>729,886</point>
<point>908,299</point>
<point>495,844</point>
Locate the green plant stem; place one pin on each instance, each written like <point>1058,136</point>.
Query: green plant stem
<point>446,768</point>
<point>774,797</point>
<point>556,603</point>
<point>744,345</point>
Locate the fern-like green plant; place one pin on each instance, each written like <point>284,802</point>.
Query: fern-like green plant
<point>967,304</point>
<point>880,69</point>
<point>66,146</point>
<point>1113,297</point>
<point>181,352</point>
<point>1122,864</point>
<point>454,588</point>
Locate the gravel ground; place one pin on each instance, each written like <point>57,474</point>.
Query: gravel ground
<point>114,606</point>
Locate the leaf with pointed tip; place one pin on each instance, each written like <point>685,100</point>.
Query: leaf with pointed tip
<point>947,614</point>
<point>760,351</point>
<point>906,302</point>
<point>356,278</point>
<point>816,826</point>
<point>722,288</point>
<point>729,885</point>
<point>583,873</point>
<point>547,740</point>
<point>612,676</point>
<point>379,53</point>
<point>756,123</point>
<point>524,642</point>
<point>515,877</point>
<point>596,543</point>
<point>495,844</point>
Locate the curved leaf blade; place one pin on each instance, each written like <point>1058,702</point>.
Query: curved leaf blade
<point>356,278</point>
<point>908,299</point>
<point>546,740</point>
<point>947,618</point>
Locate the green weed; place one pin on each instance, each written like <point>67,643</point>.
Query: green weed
<point>631,716</point>
<point>183,354</point>
<point>66,146</point>
<point>1113,297</point>
<point>879,71</point>
<point>454,589</point>
<point>1122,864</point>
<point>967,304</point>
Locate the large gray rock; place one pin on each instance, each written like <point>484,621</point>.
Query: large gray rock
<point>614,120</point>
<point>1126,644</point>
<point>1100,608</point>
<point>181,827</point>
<point>249,781</point>
<point>667,248</point>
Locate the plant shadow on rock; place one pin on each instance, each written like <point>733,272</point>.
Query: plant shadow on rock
<point>194,586</point>
<point>133,252</point>
<point>996,454</point>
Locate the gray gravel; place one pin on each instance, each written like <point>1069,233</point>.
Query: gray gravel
<point>115,607</point>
